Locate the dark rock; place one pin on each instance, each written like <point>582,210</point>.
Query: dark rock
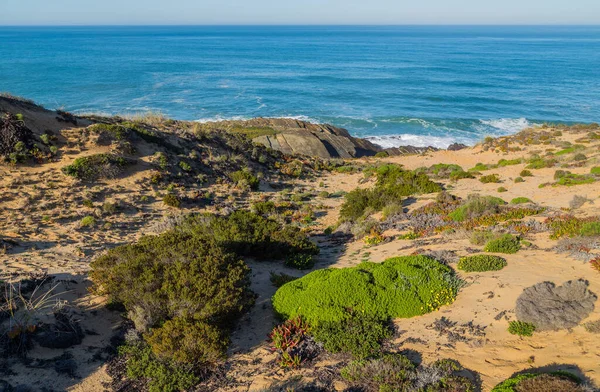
<point>64,334</point>
<point>66,366</point>
<point>552,308</point>
<point>457,146</point>
<point>5,386</point>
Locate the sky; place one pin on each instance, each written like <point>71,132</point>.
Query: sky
<point>278,12</point>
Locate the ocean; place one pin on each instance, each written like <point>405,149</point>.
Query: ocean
<point>397,85</point>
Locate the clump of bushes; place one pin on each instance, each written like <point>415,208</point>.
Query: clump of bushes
<point>505,244</point>
<point>88,221</point>
<point>279,280</point>
<point>300,261</point>
<point>395,372</point>
<point>526,173</point>
<point>521,328</point>
<point>555,381</point>
<point>245,179</point>
<point>15,138</point>
<point>446,171</point>
<point>476,206</point>
<point>481,263</point>
<point>490,178</point>
<point>172,200</point>
<point>567,178</point>
<point>97,166</point>
<point>185,289</point>
<point>540,163</point>
<point>421,285</point>
<point>519,180</point>
<point>502,189</point>
<point>571,226</point>
<point>393,183</point>
<point>359,335</point>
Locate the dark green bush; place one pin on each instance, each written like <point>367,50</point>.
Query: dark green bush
<point>490,178</point>
<point>526,173</point>
<point>162,376</point>
<point>393,183</point>
<point>382,154</point>
<point>519,180</point>
<point>97,166</point>
<point>171,200</point>
<point>300,261</point>
<point>558,381</point>
<point>394,372</point>
<point>359,335</point>
<point>263,207</point>
<point>175,280</point>
<point>249,234</point>
<point>398,287</point>
<point>505,244</point>
<point>279,280</point>
<point>476,206</point>
<point>481,263</point>
<point>590,229</point>
<point>245,178</point>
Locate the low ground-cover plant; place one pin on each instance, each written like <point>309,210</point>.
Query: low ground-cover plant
<point>300,261</point>
<point>420,285</point>
<point>395,372</point>
<point>446,171</point>
<point>570,226</point>
<point>476,206</point>
<point>97,166</point>
<point>505,244</point>
<point>481,263</point>
<point>567,178</point>
<point>287,339</point>
<point>546,382</point>
<point>279,280</point>
<point>520,200</point>
<point>521,328</point>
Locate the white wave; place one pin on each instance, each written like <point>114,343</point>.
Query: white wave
<point>388,141</point>
<point>246,118</point>
<point>508,125</point>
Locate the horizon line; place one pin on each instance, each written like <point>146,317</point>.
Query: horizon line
<point>309,25</point>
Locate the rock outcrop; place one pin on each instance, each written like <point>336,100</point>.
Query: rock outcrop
<point>292,136</point>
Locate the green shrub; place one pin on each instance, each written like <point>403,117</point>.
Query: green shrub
<point>559,381</point>
<point>519,180</point>
<point>579,157</point>
<point>97,166</point>
<point>521,328</point>
<point>502,189</point>
<point>171,200</point>
<point>481,263</point>
<point>393,183</point>
<point>245,178</point>
<point>590,229</point>
<point>264,207</point>
<point>249,234</point>
<point>520,200</point>
<point>88,221</point>
<point>505,244</point>
<point>479,237</point>
<point>595,170</point>
<point>279,280</point>
<point>398,287</point>
<point>382,154</point>
<point>300,261</point>
<point>526,173</point>
<point>394,372</point>
<point>572,179</point>
<point>540,163</point>
<point>490,178</point>
<point>359,335</point>
<point>162,376</point>
<point>476,206</point>
<point>509,162</point>
<point>179,286</point>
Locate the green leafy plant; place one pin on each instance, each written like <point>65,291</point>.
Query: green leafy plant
<point>520,200</point>
<point>245,178</point>
<point>171,200</point>
<point>481,263</point>
<point>97,166</point>
<point>490,178</point>
<point>88,221</point>
<point>300,261</point>
<point>505,244</point>
<point>526,173</point>
<point>521,328</point>
<point>421,285</point>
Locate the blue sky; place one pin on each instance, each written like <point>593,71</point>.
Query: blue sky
<point>85,12</point>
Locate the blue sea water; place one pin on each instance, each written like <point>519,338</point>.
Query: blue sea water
<point>419,85</point>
